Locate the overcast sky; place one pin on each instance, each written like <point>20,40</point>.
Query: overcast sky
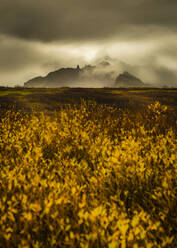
<point>40,36</point>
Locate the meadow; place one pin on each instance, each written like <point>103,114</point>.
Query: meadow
<point>88,168</point>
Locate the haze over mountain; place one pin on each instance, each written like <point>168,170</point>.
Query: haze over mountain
<point>127,80</point>
<point>103,74</point>
<point>37,37</point>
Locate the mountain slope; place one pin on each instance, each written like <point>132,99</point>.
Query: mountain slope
<point>59,78</point>
<point>126,80</point>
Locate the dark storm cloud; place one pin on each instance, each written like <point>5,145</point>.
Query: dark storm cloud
<point>38,36</point>
<point>49,20</point>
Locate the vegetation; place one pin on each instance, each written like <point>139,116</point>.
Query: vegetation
<point>88,175</point>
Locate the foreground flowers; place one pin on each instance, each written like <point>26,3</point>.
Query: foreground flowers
<point>88,176</point>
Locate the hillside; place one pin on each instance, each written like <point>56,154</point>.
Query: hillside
<point>59,78</point>
<point>126,80</point>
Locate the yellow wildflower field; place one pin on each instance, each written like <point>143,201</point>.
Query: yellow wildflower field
<point>88,176</point>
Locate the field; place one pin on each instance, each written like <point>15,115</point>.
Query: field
<point>52,99</point>
<point>88,168</point>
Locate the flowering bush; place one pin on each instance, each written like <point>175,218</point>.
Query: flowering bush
<point>87,176</point>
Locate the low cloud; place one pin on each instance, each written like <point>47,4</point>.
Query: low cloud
<point>22,60</point>
<point>37,37</point>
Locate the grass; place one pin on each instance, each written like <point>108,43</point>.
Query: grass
<point>15,92</point>
<point>25,92</point>
<point>50,99</point>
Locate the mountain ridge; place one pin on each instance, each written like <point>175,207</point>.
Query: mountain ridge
<point>100,75</point>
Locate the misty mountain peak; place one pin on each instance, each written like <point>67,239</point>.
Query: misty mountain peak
<point>100,75</point>
<point>125,79</point>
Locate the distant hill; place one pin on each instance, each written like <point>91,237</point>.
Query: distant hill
<point>59,78</point>
<point>103,74</point>
<point>126,80</point>
<point>88,76</point>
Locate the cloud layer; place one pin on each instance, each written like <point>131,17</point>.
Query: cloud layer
<point>39,36</point>
<point>47,20</point>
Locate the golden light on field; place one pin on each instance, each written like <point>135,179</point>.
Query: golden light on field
<point>88,176</point>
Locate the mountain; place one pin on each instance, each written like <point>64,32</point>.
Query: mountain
<point>59,78</point>
<point>89,76</point>
<point>102,74</point>
<point>126,80</point>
